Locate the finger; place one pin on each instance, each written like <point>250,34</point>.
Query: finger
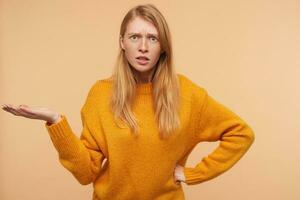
<point>12,111</point>
<point>27,112</point>
<point>5,108</point>
<point>17,110</point>
<point>5,105</point>
<point>19,113</point>
<point>10,108</point>
<point>25,109</point>
<point>23,106</point>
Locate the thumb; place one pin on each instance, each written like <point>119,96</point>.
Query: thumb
<point>23,107</point>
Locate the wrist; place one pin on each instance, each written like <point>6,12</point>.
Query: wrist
<point>181,177</point>
<point>55,119</point>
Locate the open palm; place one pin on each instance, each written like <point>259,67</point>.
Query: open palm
<point>32,112</point>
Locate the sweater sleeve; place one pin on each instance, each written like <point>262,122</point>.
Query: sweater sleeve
<point>216,122</point>
<point>81,156</point>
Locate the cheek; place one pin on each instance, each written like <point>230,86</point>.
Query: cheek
<point>129,50</point>
<point>156,52</point>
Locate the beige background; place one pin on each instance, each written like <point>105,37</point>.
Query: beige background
<point>245,53</point>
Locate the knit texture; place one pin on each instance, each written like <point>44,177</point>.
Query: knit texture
<point>122,166</point>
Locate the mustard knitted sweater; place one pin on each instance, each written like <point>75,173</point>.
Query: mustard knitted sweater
<point>124,167</point>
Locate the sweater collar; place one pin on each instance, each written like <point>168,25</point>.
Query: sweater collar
<point>141,88</point>
<point>144,88</point>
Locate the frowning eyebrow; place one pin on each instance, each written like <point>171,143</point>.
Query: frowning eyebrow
<point>148,34</point>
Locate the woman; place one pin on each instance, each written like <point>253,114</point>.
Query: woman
<point>140,125</point>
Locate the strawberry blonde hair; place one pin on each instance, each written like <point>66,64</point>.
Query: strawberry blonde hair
<point>165,92</point>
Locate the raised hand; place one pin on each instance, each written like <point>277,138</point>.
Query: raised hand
<point>40,113</point>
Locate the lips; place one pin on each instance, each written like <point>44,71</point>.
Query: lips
<point>142,58</point>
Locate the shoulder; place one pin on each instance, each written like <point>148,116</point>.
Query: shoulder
<point>97,87</point>
<point>191,86</point>
<point>186,80</point>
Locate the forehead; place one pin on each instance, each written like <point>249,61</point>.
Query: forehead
<point>140,25</point>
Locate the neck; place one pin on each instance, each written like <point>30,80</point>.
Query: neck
<point>144,77</point>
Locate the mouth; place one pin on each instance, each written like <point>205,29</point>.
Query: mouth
<point>142,60</point>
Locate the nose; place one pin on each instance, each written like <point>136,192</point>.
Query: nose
<point>143,46</point>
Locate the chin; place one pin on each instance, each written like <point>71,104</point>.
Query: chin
<point>142,68</point>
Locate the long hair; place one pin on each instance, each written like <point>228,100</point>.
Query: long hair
<point>165,83</point>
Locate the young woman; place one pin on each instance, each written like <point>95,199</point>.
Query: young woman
<point>140,125</point>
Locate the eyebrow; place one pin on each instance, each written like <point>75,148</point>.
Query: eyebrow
<point>149,34</point>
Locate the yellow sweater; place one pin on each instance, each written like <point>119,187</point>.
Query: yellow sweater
<point>142,168</point>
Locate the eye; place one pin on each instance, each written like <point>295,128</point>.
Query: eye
<point>153,39</point>
<point>133,37</point>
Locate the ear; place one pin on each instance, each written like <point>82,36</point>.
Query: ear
<point>121,42</point>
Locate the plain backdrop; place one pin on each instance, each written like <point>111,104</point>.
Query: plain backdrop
<point>245,53</point>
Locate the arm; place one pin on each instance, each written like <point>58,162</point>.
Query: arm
<point>81,156</point>
<point>216,122</point>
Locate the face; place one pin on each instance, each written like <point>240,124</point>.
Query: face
<point>142,47</point>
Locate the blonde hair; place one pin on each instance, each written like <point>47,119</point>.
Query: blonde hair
<point>165,82</point>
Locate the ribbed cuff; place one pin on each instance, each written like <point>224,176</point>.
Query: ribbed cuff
<point>60,129</point>
<point>190,177</point>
